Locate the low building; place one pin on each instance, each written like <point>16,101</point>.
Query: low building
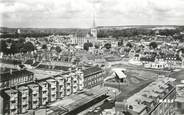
<point>34,96</point>
<point>155,99</point>
<point>119,73</point>
<point>23,99</point>
<point>156,65</point>
<point>10,63</point>
<point>93,76</point>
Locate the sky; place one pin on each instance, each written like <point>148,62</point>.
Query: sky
<point>79,13</point>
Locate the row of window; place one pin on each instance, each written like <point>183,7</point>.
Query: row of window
<point>16,81</point>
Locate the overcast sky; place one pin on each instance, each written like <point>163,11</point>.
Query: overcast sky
<point>79,13</point>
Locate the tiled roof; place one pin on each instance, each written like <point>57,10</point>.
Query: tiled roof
<point>51,67</point>
<point>87,72</point>
<point>14,74</point>
<point>9,61</point>
<point>150,59</point>
<point>35,64</point>
<point>5,70</point>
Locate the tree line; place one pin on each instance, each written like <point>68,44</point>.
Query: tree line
<point>138,31</point>
<point>16,46</point>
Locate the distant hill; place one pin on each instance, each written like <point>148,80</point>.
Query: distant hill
<point>103,31</point>
<point>79,30</point>
<point>140,27</point>
<point>43,30</point>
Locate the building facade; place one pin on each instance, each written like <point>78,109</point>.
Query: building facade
<point>34,96</point>
<point>68,84</point>
<point>93,76</point>
<point>23,99</point>
<point>10,102</point>
<point>15,77</point>
<point>60,86</point>
<point>44,93</point>
<point>52,88</point>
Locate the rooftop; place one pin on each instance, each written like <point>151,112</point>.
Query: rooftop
<point>53,67</point>
<point>14,74</point>
<point>42,74</point>
<point>10,61</point>
<point>120,72</point>
<point>87,72</point>
<point>154,89</point>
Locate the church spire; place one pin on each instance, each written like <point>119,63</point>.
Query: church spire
<point>93,29</point>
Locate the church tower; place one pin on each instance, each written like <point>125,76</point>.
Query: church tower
<point>93,29</point>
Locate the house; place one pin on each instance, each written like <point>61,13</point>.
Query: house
<point>119,74</point>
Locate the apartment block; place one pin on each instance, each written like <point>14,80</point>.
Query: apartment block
<point>68,84</point>
<point>80,75</point>
<point>52,85</point>
<point>10,102</point>
<point>34,96</point>
<point>74,82</point>
<point>44,93</point>
<point>23,99</point>
<point>60,86</point>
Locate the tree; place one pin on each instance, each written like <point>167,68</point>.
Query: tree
<point>3,46</point>
<point>58,49</point>
<point>28,47</point>
<point>44,46</point>
<point>96,46</point>
<point>153,45</point>
<point>87,45</point>
<point>120,43</point>
<point>107,45</point>
<point>129,45</point>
